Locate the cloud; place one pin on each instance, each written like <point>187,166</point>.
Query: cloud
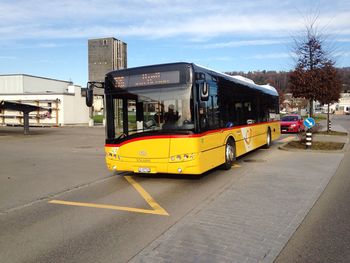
<point>242,43</point>
<point>47,45</point>
<point>342,40</point>
<point>56,19</point>
<point>8,57</point>
<point>342,54</point>
<point>271,56</point>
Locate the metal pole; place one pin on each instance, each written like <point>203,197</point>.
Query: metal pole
<point>328,120</point>
<point>26,122</point>
<point>57,122</point>
<point>308,139</point>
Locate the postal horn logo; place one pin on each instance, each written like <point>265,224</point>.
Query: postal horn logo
<point>142,153</point>
<point>248,136</point>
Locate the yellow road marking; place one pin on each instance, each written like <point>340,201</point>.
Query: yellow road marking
<point>156,208</point>
<point>112,207</point>
<point>235,165</point>
<point>288,139</point>
<point>146,196</point>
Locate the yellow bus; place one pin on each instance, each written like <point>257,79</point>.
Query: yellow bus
<point>181,118</point>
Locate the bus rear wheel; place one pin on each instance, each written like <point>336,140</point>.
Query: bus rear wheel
<point>230,154</point>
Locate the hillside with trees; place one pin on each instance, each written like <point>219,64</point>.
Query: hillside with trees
<point>280,79</point>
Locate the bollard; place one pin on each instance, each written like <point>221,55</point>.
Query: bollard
<point>329,125</point>
<point>308,139</point>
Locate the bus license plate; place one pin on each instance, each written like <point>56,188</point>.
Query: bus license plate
<point>144,170</point>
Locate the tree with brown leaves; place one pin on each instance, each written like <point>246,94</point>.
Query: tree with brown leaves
<point>314,77</point>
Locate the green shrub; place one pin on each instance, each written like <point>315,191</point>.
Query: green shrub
<point>98,118</point>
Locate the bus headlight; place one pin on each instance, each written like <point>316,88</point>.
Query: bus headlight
<point>182,157</point>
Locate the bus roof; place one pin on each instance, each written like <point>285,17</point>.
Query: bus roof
<point>241,80</point>
<point>268,89</point>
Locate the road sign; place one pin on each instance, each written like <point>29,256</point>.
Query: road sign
<point>309,122</point>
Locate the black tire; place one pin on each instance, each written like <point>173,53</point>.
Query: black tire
<point>268,139</point>
<point>230,154</point>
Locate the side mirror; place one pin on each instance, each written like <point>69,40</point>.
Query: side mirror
<point>204,91</point>
<point>199,76</point>
<point>89,95</point>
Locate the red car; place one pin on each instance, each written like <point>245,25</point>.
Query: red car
<point>292,123</point>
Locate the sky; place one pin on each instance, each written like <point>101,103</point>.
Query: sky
<point>49,38</point>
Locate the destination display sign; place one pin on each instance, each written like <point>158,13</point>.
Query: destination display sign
<point>148,79</point>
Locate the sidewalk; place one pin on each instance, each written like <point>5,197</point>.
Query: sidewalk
<point>334,127</point>
<point>331,138</point>
<point>254,217</point>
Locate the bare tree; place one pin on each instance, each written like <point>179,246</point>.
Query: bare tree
<point>314,77</point>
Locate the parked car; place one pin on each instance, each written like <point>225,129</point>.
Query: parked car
<point>292,123</point>
<point>318,111</point>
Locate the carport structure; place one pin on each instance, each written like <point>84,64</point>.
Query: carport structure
<point>25,108</point>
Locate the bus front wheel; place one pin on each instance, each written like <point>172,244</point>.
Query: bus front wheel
<point>268,139</point>
<point>230,154</point>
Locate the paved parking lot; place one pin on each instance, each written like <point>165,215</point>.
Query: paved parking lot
<point>254,217</point>
<point>246,214</point>
<point>48,161</point>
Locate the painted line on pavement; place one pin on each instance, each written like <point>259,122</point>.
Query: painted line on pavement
<point>156,208</point>
<point>287,139</point>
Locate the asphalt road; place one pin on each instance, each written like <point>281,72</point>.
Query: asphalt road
<point>58,202</point>
<point>324,235</point>
<point>112,218</point>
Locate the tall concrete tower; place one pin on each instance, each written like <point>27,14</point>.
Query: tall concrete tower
<point>105,55</point>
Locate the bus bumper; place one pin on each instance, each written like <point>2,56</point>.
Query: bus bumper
<point>188,167</point>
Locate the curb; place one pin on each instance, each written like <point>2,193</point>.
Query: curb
<point>284,148</point>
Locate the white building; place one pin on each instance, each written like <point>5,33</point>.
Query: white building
<point>63,100</point>
<point>344,103</point>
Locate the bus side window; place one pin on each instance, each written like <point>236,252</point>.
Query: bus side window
<point>213,107</point>
<point>239,112</point>
<point>203,120</point>
<point>209,109</point>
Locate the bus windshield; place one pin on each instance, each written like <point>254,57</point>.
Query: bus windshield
<point>290,118</point>
<point>152,109</point>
